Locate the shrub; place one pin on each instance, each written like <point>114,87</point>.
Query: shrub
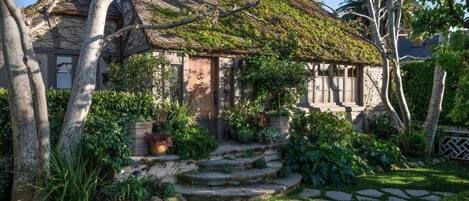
<point>323,128</point>
<point>5,125</point>
<point>109,114</point>
<point>323,164</point>
<point>245,119</point>
<point>277,81</point>
<point>246,135</point>
<point>131,189</point>
<point>193,142</point>
<point>377,152</point>
<point>326,150</point>
<point>381,126</point>
<point>75,179</point>
<point>167,190</point>
<point>138,74</point>
<point>261,163</point>
<point>412,143</point>
<point>190,140</point>
<point>106,141</point>
<point>463,196</point>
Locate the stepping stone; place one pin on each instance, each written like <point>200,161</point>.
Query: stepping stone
<point>338,195</point>
<point>370,193</point>
<point>431,198</point>
<point>363,198</point>
<point>245,192</point>
<point>392,198</point>
<point>416,193</point>
<point>444,194</point>
<point>238,177</point>
<point>309,193</point>
<point>395,192</point>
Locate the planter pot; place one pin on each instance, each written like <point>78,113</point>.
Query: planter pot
<point>138,130</point>
<point>158,149</point>
<point>282,124</point>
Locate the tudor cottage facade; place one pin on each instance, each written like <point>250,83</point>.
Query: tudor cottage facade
<point>206,57</point>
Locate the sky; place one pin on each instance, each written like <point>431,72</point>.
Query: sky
<point>22,3</point>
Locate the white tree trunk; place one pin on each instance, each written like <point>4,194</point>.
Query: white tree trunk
<point>393,26</point>
<point>25,139</point>
<point>435,107</point>
<point>85,80</point>
<point>38,85</point>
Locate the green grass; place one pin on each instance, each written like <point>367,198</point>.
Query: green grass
<point>447,176</point>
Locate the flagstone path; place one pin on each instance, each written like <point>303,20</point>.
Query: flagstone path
<point>389,194</point>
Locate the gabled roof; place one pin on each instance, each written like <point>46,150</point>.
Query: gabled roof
<point>67,7</point>
<point>279,23</point>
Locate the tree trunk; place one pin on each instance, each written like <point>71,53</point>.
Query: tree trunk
<point>37,83</point>
<point>25,143</point>
<point>435,107</point>
<point>393,32</point>
<point>85,80</point>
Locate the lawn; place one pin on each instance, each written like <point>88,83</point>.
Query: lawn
<point>447,176</point>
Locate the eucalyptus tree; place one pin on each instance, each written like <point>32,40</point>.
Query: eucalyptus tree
<point>442,16</point>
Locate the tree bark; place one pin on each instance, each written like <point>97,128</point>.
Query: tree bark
<point>25,141</point>
<point>374,13</point>
<point>394,14</point>
<point>85,80</point>
<point>30,60</point>
<point>435,107</point>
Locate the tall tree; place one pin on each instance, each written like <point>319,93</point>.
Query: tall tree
<point>435,16</point>
<point>386,41</point>
<point>25,139</point>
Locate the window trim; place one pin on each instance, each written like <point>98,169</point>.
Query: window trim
<point>343,98</point>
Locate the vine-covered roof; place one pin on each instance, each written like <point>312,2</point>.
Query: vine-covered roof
<point>300,25</point>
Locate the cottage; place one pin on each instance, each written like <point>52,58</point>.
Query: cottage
<point>206,55</point>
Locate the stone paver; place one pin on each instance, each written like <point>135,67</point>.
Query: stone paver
<point>431,198</point>
<point>338,195</point>
<point>363,198</point>
<point>392,198</point>
<point>416,193</point>
<point>309,193</point>
<point>370,193</point>
<point>396,192</point>
<point>445,194</point>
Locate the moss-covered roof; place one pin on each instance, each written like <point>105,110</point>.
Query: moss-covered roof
<point>277,23</point>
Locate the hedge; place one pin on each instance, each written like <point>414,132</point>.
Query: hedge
<point>417,78</point>
<point>107,106</point>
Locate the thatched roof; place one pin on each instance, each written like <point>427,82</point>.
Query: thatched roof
<point>67,7</point>
<point>303,24</point>
<point>299,24</point>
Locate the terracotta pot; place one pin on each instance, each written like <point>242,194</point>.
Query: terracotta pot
<point>158,149</point>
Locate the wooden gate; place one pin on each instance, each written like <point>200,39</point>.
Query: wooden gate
<point>203,85</point>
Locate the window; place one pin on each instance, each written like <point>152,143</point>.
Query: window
<point>334,84</point>
<point>175,82</point>
<point>64,72</point>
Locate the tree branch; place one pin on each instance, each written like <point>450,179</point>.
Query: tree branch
<point>185,21</point>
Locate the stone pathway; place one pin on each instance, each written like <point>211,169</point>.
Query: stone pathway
<point>389,194</point>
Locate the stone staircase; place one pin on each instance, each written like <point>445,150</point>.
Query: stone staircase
<point>240,176</point>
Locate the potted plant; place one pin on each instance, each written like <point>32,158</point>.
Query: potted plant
<point>277,83</point>
<point>158,143</point>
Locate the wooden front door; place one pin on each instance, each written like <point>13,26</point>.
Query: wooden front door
<point>203,84</point>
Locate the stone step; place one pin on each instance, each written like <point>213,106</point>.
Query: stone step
<point>238,177</point>
<point>241,193</point>
<point>234,164</point>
